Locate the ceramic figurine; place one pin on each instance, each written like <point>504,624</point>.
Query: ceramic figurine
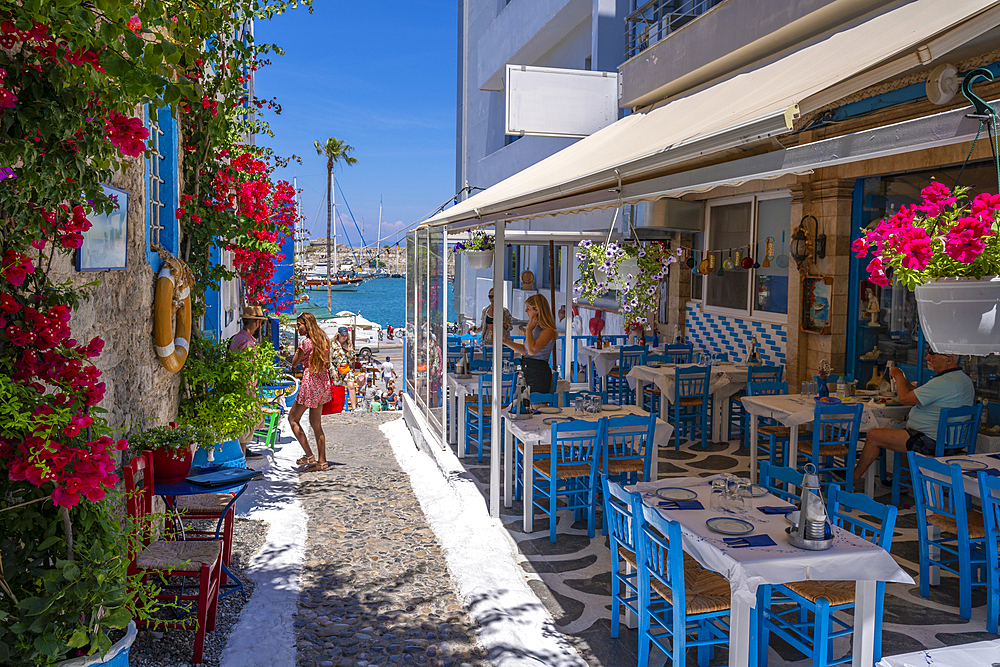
<point>872,308</point>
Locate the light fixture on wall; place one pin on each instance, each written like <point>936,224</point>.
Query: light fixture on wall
<point>799,246</point>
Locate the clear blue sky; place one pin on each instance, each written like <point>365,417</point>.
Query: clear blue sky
<point>380,77</point>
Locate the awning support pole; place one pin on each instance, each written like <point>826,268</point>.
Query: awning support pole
<point>568,258</point>
<point>499,303</point>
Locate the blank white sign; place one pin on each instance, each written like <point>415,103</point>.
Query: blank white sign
<point>550,102</point>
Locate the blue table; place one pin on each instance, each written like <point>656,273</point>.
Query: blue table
<point>184,488</point>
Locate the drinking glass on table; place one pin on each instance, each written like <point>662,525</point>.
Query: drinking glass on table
<point>717,501</point>
<point>595,403</point>
<point>743,500</point>
<point>808,388</point>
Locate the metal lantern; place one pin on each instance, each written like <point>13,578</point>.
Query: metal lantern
<point>797,247</point>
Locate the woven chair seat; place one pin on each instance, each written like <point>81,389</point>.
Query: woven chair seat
<point>268,410</point>
<point>738,395</point>
<point>688,401</point>
<point>806,447</point>
<point>691,566</point>
<point>563,471</point>
<point>615,372</point>
<point>949,525</point>
<point>704,592</point>
<point>487,409</point>
<point>651,389</point>
<point>204,502</point>
<point>178,555</point>
<point>836,592</point>
<point>471,398</point>
<point>618,466</point>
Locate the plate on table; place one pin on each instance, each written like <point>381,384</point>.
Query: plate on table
<point>826,400</point>
<point>675,493</point>
<point>968,464</point>
<point>866,392</point>
<point>554,420</point>
<point>549,410</point>
<point>653,364</point>
<point>756,491</point>
<point>610,407</point>
<point>728,525</point>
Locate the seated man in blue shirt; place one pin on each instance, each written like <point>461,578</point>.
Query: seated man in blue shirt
<point>950,388</point>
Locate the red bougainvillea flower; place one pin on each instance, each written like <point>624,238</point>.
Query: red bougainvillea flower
<point>985,205</point>
<point>134,24</point>
<point>937,196</point>
<point>964,241</point>
<point>127,134</point>
<point>917,251</point>
<point>7,99</point>
<point>860,247</point>
<point>16,267</point>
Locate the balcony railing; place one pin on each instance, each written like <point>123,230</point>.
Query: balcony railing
<point>656,19</point>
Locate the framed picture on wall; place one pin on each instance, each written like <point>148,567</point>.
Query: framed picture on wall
<point>817,291</point>
<point>105,243</point>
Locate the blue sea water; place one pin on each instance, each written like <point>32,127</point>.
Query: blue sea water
<point>381,300</point>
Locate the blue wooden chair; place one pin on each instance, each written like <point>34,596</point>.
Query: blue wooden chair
<point>691,401</point>
<point>858,514</point>
<point>939,492</point>
<point>621,540</point>
<point>650,392</point>
<point>833,447</point>
<point>628,356</point>
<point>957,432</point>
<point>536,398</point>
<point>737,416</point>
<point>776,434</point>
<point>569,471</point>
<point>627,451</point>
<point>479,413</point>
<point>678,353</point>
<point>779,480</point>
<point>679,608</point>
<point>989,493</point>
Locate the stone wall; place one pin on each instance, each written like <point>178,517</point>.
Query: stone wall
<point>120,311</point>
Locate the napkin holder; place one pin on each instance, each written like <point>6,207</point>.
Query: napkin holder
<point>813,531</point>
<point>522,392</point>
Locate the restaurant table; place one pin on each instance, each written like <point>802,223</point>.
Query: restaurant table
<point>725,380</point>
<point>459,388</point>
<point>749,567</point>
<point>185,488</point>
<point>605,358</point>
<point>535,431</point>
<point>792,410</point>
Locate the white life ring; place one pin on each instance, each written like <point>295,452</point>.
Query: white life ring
<point>172,342</point>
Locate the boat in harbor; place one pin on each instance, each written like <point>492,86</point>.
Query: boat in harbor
<point>340,281</point>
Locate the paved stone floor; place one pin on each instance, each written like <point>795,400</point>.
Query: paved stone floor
<point>375,585</point>
<point>572,577</point>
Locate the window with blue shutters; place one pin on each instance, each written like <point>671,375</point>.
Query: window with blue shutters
<point>162,184</point>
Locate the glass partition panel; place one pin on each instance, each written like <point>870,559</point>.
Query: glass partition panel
<point>410,343</point>
<point>437,276</point>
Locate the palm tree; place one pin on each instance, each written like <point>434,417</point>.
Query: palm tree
<point>335,151</point>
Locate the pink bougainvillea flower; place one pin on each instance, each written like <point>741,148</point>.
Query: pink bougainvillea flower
<point>917,252</point>
<point>16,267</point>
<point>7,99</point>
<point>860,247</point>
<point>985,205</point>
<point>134,24</point>
<point>964,246</point>
<point>38,244</point>
<point>937,196</point>
<point>127,134</point>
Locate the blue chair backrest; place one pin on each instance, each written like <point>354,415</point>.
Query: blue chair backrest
<point>767,388</point>
<point>772,477</point>
<point>487,353</point>
<point>679,353</point>
<point>486,388</point>
<point>758,373</point>
<point>840,503</point>
<point>989,492</point>
<point>552,400</point>
<point>618,513</point>
<point>455,349</point>
<point>661,358</point>
<point>692,382</point>
<point>958,428</point>
<point>837,424</point>
<point>943,493</point>
<point>577,442</point>
<point>629,356</point>
<point>628,436</point>
<point>660,553</point>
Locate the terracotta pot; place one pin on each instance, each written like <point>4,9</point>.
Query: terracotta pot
<point>172,466</point>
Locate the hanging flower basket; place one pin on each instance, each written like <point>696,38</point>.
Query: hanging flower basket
<point>961,315</point>
<point>948,253</point>
<point>633,271</point>
<point>480,259</point>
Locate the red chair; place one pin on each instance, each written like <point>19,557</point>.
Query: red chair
<point>199,559</point>
<point>209,506</point>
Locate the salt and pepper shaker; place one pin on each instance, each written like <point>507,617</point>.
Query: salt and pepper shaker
<point>464,362</point>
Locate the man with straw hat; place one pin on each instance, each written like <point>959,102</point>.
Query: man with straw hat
<point>253,318</point>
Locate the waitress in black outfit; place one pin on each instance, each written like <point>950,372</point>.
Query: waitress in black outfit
<point>540,336</point>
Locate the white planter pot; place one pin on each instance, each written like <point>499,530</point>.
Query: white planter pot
<point>480,259</point>
<point>628,272</point>
<point>961,315</point>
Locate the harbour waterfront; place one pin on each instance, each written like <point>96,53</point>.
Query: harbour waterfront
<point>381,300</point>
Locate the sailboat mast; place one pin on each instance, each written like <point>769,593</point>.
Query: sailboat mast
<point>378,243</point>
<point>336,264</point>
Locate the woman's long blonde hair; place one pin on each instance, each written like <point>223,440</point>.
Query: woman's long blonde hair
<point>320,356</point>
<point>539,302</point>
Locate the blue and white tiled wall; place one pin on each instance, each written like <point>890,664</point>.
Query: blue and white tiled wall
<point>731,335</point>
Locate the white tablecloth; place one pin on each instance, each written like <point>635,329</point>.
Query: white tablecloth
<point>535,432</point>
<point>795,409</point>
<point>605,358</point>
<point>972,481</point>
<point>726,380</point>
<point>748,568</point>
<point>962,655</point>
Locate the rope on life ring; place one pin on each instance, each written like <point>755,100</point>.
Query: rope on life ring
<point>171,335</point>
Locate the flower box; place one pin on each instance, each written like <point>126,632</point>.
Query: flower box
<point>480,259</point>
<point>960,315</point>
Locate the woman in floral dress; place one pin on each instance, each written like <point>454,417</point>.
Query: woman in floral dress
<point>341,357</point>
<point>315,390</point>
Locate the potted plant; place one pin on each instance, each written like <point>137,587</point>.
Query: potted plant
<point>634,271</point>
<point>173,447</point>
<point>478,249</point>
<point>948,252</point>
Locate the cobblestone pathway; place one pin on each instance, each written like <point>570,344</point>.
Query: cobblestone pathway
<point>375,586</point>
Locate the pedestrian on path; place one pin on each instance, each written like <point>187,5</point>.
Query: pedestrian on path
<point>341,361</point>
<point>388,371</point>
<point>253,318</point>
<point>315,390</point>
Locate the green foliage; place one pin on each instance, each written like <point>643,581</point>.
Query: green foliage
<point>173,438</point>
<point>219,387</point>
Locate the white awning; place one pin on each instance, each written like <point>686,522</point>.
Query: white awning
<point>749,107</point>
